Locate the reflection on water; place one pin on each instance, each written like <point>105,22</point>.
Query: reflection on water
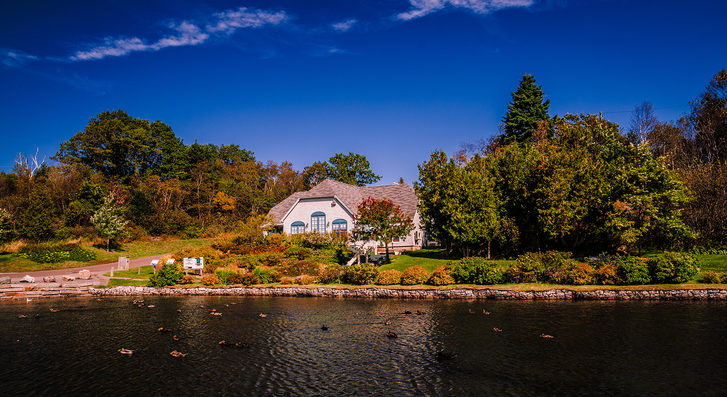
<point>600,348</point>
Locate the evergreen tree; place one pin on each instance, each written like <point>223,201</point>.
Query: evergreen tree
<point>40,216</point>
<point>525,111</point>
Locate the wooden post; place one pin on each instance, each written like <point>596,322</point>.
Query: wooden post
<point>112,271</point>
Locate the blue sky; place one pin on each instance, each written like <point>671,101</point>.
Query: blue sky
<point>301,80</point>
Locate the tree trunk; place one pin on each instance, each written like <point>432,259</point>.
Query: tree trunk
<point>386,245</point>
<point>108,245</point>
<point>488,250</point>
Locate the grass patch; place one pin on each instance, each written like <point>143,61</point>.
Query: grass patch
<point>146,272</point>
<point>715,263</point>
<point>120,281</point>
<point>12,263</point>
<point>428,259</point>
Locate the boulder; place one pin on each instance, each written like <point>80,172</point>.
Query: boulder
<point>84,274</point>
<point>68,278</point>
<point>49,279</point>
<point>4,280</point>
<point>27,279</point>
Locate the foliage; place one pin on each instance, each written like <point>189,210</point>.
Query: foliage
<point>350,168</point>
<point>305,279</point>
<point>361,274</point>
<point>441,276</point>
<point>711,277</point>
<point>209,279</point>
<point>226,275</point>
<point>632,270</point>
<point>673,268</point>
<point>459,204</point>
<point>380,220</point>
<point>109,221</point>
<point>49,253</point>
<point>169,274</point>
<point>389,277</point>
<point>118,145</point>
<point>607,274</point>
<point>476,270</point>
<point>330,274</point>
<point>527,108</point>
<point>414,275</point>
<point>264,274</point>
<point>187,279</point>
<point>40,217</point>
<point>6,227</point>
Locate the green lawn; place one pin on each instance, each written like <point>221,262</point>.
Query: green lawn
<point>12,263</point>
<point>428,259</point>
<point>715,263</point>
<point>120,281</point>
<point>146,272</point>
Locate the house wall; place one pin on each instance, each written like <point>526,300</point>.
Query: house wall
<point>303,210</point>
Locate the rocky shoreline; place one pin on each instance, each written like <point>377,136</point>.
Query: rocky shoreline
<point>707,294</point>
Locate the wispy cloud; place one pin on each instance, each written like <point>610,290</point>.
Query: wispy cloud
<point>421,8</point>
<point>14,58</point>
<point>231,20</point>
<point>344,26</point>
<point>185,34</point>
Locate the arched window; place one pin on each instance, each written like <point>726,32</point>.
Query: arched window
<point>297,227</point>
<point>318,222</point>
<point>340,227</point>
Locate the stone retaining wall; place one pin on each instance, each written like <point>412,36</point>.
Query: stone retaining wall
<point>44,290</point>
<point>454,293</point>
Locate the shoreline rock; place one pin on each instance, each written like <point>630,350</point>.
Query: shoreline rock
<point>714,294</point>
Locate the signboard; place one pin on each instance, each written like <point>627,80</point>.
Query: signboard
<point>194,263</point>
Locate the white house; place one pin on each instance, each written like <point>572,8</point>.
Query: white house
<point>330,207</point>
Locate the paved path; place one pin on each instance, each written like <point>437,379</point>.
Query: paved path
<point>97,270</point>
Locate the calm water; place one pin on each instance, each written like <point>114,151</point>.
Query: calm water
<point>611,349</point>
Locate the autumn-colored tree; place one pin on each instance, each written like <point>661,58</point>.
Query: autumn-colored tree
<point>380,220</point>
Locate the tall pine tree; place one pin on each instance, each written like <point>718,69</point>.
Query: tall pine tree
<point>525,111</point>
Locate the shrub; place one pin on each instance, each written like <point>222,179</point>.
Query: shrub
<point>414,275</point>
<point>607,274</point>
<point>632,270</point>
<point>711,277</point>
<point>364,273</point>
<point>298,252</point>
<point>528,268</point>
<point>271,258</point>
<point>304,279</point>
<point>330,274</point>
<point>265,275</point>
<point>224,273</point>
<point>673,267</point>
<point>187,279</point>
<point>476,270</point>
<point>578,273</point>
<point>286,280</point>
<point>209,279</point>
<point>48,253</point>
<point>276,239</point>
<point>296,268</point>
<point>167,275</point>
<point>441,276</point>
<point>247,278</point>
<point>313,240</point>
<point>389,277</point>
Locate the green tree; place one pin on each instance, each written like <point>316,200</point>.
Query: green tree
<point>527,108</point>
<point>119,146</point>
<point>40,217</point>
<point>109,221</point>
<point>380,220</point>
<point>315,174</point>
<point>6,226</point>
<point>351,168</point>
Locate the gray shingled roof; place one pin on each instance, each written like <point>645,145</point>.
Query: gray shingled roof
<point>402,195</point>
